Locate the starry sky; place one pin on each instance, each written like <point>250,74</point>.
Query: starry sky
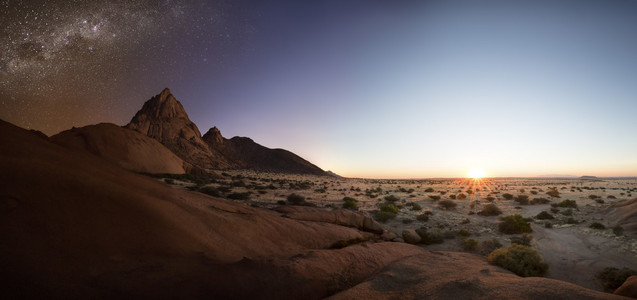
<point>364,88</point>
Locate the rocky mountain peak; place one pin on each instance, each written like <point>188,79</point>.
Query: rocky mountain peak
<point>213,137</point>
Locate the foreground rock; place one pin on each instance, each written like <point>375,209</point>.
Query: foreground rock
<point>342,217</point>
<point>75,226</point>
<point>410,236</point>
<point>624,213</point>
<point>127,148</point>
<point>628,288</point>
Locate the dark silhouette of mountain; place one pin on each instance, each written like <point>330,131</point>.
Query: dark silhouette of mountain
<point>165,119</point>
<point>588,177</point>
<point>248,154</point>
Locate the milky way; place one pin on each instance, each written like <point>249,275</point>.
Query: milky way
<point>72,62</point>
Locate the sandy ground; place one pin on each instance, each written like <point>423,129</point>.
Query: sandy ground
<point>574,252</point>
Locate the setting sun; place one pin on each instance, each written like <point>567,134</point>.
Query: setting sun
<point>476,173</point>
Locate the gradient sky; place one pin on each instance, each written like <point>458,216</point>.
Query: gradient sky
<point>362,88</point>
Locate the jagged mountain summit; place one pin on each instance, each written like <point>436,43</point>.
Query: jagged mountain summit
<point>165,119</point>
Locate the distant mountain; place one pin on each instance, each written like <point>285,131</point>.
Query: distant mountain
<point>246,153</point>
<point>165,119</point>
<point>588,177</point>
<point>557,176</point>
<point>127,148</point>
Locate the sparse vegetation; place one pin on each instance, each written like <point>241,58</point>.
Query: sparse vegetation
<point>295,198</point>
<point>461,196</point>
<point>525,239</point>
<point>490,210</point>
<point>507,196</point>
<point>597,225</point>
<point>469,245</point>
<point>618,230</point>
<point>554,193</point>
<point>521,260</point>
<point>429,238</point>
<point>565,203</point>
<point>514,224</point>
<point>447,204</point>
<point>544,215</point>
<point>350,203</point>
<point>537,201</point>
<point>239,196</point>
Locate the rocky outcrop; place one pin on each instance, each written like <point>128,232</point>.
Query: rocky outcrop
<point>165,119</point>
<point>624,213</point>
<point>342,217</point>
<point>410,236</point>
<point>127,148</point>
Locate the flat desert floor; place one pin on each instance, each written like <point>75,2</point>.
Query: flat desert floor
<point>574,251</point>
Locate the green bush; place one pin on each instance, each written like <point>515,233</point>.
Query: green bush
<point>537,201</point>
<point>566,203</point>
<point>391,198</point>
<point>387,207</point>
<point>618,230</point>
<point>469,244</point>
<point>350,203</point>
<point>524,240</point>
<point>490,210</point>
<point>521,260</point>
<point>384,216</point>
<point>522,199</point>
<point>422,218</point>
<point>514,224</point>
<point>416,207</point>
<point>571,221</point>
<point>544,216</point>
<point>429,238</point>
<point>597,225</point>
<point>295,198</point>
<point>448,204</point>
<point>612,278</point>
<point>553,193</point>
<point>463,232</point>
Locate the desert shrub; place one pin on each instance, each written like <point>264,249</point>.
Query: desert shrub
<point>554,210</point>
<point>521,260</point>
<point>553,193</point>
<point>384,216</point>
<point>522,199</point>
<point>469,191</point>
<point>238,183</point>
<point>600,201</point>
<point>387,207</point>
<point>434,197</point>
<point>490,210</point>
<point>524,240</point>
<point>537,201</point>
<point>507,196</point>
<point>416,207</point>
<point>447,204</point>
<point>407,221</point>
<point>571,221</point>
<point>239,196</point>
<point>593,197</point>
<point>463,232</point>
<point>567,212</point>
<point>565,203</point>
<point>391,198</point>
<point>618,230</point>
<point>596,225</point>
<point>544,216</point>
<point>350,203</point>
<point>224,189</point>
<point>429,190</point>
<point>320,191</point>
<point>611,197</point>
<point>548,225</point>
<point>429,238</point>
<point>422,218</point>
<point>612,278</point>
<point>490,198</point>
<point>469,244</point>
<point>534,192</point>
<point>452,196</point>
<point>295,198</point>
<point>487,246</point>
<point>514,224</point>
<point>281,202</point>
<point>461,196</point>
<point>212,191</point>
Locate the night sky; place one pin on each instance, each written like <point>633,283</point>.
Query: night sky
<point>364,88</point>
